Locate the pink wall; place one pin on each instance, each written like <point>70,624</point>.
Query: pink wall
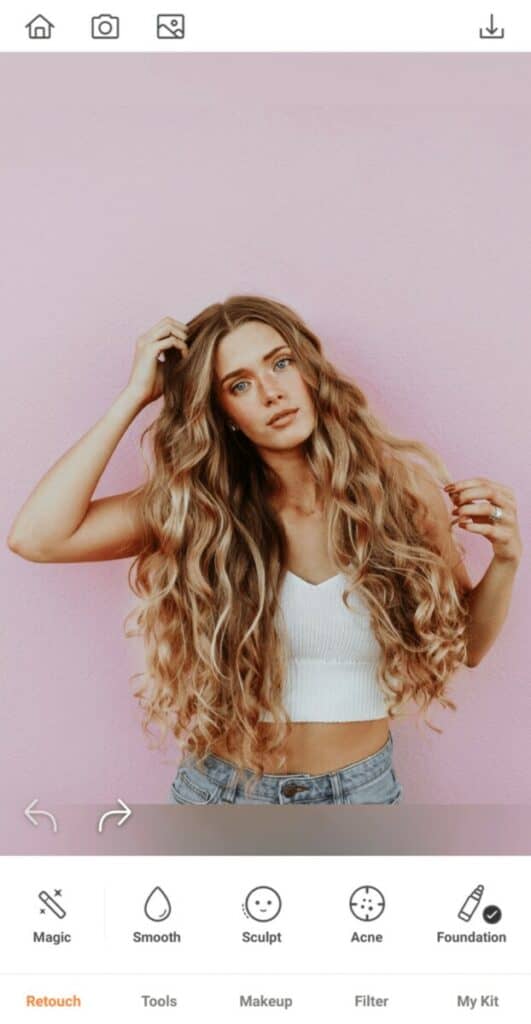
<point>387,198</point>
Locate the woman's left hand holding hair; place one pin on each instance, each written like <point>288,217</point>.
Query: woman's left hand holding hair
<point>474,501</point>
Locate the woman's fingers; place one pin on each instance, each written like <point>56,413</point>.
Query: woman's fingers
<point>171,342</point>
<point>476,508</point>
<point>170,333</point>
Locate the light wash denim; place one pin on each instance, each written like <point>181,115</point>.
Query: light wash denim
<point>369,781</point>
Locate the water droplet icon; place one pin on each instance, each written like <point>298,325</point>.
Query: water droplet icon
<point>157,906</point>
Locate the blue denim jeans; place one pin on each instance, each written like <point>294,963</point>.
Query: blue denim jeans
<point>369,781</point>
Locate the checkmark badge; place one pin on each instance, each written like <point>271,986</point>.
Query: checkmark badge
<point>492,914</point>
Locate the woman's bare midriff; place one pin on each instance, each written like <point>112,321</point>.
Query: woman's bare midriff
<point>319,747</point>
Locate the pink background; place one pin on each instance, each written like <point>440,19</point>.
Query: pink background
<point>385,197</point>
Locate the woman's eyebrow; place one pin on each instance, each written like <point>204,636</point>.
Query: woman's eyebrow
<point>243,369</point>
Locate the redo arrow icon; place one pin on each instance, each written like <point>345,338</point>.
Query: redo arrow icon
<point>121,815</point>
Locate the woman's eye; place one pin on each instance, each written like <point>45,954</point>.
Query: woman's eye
<point>235,387</point>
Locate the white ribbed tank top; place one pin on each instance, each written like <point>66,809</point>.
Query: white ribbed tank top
<point>333,654</point>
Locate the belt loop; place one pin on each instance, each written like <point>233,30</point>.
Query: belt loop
<point>337,787</point>
<point>230,786</point>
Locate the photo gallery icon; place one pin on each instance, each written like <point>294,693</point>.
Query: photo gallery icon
<point>170,26</point>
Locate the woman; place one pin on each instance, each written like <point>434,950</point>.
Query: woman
<point>298,579</point>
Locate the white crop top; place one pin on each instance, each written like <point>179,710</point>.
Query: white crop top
<point>333,654</point>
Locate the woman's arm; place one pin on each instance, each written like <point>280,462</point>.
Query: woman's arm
<point>488,600</point>
<point>439,527</point>
<point>59,522</point>
<point>489,603</point>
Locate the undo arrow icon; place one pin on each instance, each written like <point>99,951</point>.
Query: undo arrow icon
<point>31,815</point>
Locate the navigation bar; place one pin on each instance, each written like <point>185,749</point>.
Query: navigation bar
<point>279,25</point>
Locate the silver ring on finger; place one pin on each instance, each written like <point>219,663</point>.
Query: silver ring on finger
<point>496,514</point>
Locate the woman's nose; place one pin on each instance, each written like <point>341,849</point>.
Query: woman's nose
<point>271,387</point>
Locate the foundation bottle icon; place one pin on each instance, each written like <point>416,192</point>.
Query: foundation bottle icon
<point>471,903</point>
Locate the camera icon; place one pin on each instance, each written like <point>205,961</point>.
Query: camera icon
<point>105,26</point>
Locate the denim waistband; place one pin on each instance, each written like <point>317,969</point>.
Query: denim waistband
<point>327,784</point>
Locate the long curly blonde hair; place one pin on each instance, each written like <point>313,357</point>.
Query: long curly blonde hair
<point>215,551</point>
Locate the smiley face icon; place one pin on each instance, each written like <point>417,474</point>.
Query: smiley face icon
<point>262,903</point>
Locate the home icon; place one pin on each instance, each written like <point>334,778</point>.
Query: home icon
<point>39,27</point>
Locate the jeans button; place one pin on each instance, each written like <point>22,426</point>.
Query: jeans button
<point>292,788</point>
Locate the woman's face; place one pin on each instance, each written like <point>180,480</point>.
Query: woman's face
<point>257,378</point>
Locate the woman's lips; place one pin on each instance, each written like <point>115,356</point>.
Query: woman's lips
<point>284,420</point>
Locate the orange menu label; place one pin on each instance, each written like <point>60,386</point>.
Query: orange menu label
<point>32,1000</point>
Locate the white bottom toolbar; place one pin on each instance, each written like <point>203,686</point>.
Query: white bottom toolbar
<point>292,997</point>
<point>194,938</point>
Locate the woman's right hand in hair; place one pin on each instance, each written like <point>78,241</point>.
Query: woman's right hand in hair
<point>146,380</point>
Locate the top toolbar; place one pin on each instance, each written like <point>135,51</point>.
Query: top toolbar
<point>279,25</point>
